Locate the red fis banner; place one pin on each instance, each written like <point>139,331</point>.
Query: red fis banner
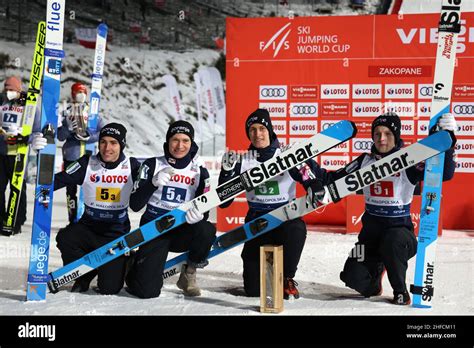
<point>314,71</point>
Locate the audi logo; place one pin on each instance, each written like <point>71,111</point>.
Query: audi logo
<point>464,109</point>
<point>273,92</point>
<point>362,145</point>
<point>426,91</point>
<point>327,125</point>
<point>304,109</point>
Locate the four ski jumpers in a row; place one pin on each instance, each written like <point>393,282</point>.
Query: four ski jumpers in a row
<point>112,181</point>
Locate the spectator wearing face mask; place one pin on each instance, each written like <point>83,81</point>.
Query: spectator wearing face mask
<point>11,118</point>
<point>73,130</point>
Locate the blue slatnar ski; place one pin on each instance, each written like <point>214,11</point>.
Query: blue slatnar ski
<point>415,153</point>
<point>248,180</point>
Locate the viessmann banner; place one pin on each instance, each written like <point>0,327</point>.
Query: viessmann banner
<point>312,72</point>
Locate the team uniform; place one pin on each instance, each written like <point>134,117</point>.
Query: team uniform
<point>387,238</point>
<point>189,180</point>
<point>265,198</point>
<point>107,188</point>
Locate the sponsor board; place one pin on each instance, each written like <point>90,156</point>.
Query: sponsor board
<point>463,91</point>
<point>279,127</point>
<point>325,124</point>
<point>303,127</point>
<point>364,91</point>
<point>360,145</point>
<point>275,92</point>
<point>304,92</point>
<point>402,109</point>
<point>423,127</point>
<point>335,91</point>
<point>425,91</point>
<point>465,127</point>
<point>465,165</point>
<point>424,109</point>
<point>334,109</point>
<point>303,109</point>
<point>465,146</point>
<point>399,91</point>
<point>366,109</point>
<point>465,109</point>
<point>408,127</point>
<point>364,126</point>
<point>274,109</point>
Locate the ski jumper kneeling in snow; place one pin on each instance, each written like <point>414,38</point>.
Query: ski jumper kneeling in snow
<point>165,183</point>
<point>267,197</point>
<point>107,181</point>
<point>387,240</point>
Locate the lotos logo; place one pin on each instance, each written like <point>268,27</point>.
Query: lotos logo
<point>277,41</point>
<point>109,179</point>
<point>183,179</point>
<point>94,178</point>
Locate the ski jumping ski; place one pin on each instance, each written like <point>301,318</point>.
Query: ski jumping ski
<point>291,157</point>
<point>96,88</point>
<point>448,30</point>
<point>43,206</point>
<point>29,113</point>
<point>345,186</point>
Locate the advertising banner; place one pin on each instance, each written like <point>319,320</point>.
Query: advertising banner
<point>310,72</point>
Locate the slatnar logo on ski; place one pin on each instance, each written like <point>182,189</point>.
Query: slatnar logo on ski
<point>66,279</point>
<point>427,290</point>
<point>374,173</point>
<point>280,164</point>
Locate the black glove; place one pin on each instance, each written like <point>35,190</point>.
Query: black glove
<point>17,139</point>
<point>316,194</point>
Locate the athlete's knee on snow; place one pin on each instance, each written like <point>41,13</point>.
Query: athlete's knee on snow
<point>356,276</point>
<point>143,290</point>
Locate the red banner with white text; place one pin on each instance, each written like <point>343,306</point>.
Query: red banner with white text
<point>311,72</point>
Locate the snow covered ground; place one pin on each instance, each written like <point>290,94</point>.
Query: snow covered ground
<point>322,293</point>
